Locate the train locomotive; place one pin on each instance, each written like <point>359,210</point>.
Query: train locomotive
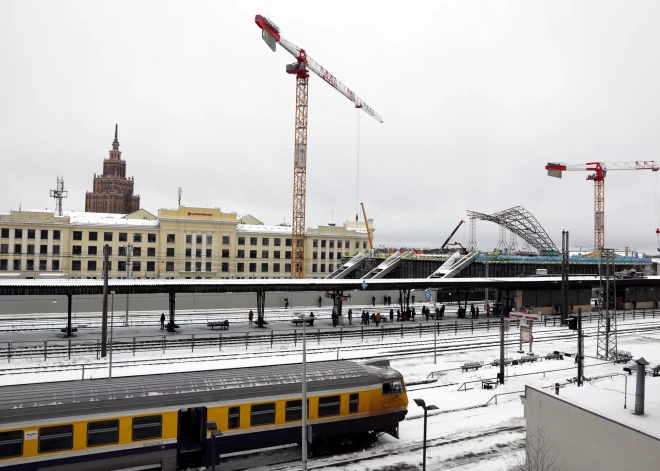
<point>159,422</point>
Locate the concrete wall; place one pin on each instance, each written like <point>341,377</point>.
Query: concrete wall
<point>585,440</point>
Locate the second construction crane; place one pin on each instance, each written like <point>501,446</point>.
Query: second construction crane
<point>270,33</point>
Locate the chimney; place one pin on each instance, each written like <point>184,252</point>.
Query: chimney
<point>639,393</point>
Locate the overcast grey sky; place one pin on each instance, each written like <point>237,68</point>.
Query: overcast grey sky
<point>476,98</point>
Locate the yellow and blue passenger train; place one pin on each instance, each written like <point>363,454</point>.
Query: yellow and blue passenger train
<point>159,422</point>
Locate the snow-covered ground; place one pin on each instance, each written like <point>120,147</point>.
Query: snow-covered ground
<point>464,434</point>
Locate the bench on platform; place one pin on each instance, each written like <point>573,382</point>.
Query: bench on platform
<point>224,325</point>
<point>475,365</point>
<point>73,329</point>
<point>297,321</point>
<point>488,384</point>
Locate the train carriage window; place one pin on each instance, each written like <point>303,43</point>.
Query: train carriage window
<point>103,432</point>
<point>59,437</point>
<point>353,403</point>
<point>394,387</point>
<point>262,414</point>
<point>11,444</point>
<point>329,406</point>
<point>145,428</point>
<point>293,410</point>
<point>234,417</point>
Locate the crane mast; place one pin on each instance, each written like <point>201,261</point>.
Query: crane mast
<point>270,33</point>
<point>366,223</point>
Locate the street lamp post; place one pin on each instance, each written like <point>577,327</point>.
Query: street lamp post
<point>112,323</point>
<point>212,427</point>
<point>435,329</point>
<point>422,404</point>
<point>304,397</point>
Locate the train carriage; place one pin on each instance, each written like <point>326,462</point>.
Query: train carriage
<point>158,422</point>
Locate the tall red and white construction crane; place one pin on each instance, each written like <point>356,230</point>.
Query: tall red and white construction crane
<point>600,170</point>
<point>270,33</point>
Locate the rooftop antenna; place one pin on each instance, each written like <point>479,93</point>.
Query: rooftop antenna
<point>179,193</point>
<point>59,194</point>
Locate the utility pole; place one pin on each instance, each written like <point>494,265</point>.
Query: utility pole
<point>128,277</point>
<point>564,276</point>
<point>104,319</point>
<point>502,349</point>
<point>580,354</point>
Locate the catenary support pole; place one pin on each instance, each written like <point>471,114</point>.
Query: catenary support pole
<point>104,317</point>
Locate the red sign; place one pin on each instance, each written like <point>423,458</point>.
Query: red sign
<point>527,316</point>
<point>199,214</point>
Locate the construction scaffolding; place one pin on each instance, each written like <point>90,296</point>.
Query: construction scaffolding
<point>472,236</point>
<point>607,333</point>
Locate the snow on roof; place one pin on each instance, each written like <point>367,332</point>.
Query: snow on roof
<point>606,398</point>
<point>263,228</point>
<point>106,219</point>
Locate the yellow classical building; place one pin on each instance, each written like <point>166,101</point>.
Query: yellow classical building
<point>185,242</point>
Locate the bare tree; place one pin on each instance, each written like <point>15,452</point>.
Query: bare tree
<point>540,454</point>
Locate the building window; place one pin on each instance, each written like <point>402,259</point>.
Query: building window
<point>145,428</point>
<point>331,255</point>
<point>93,236</point>
<point>4,248</point>
<point>253,267</point>
<point>209,239</point>
<point>4,264</point>
<point>56,265</point>
<point>353,403</point>
<point>253,254</point>
<point>323,268</point>
<point>11,444</point>
<point>315,243</point>
<point>265,241</point>
<point>208,266</point>
<point>122,251</point>
<point>264,268</point>
<point>30,249</point>
<point>30,233</point>
<point>169,266</point>
<point>137,251</point>
<point>77,235</point>
<point>331,267</point>
<point>276,267</point>
<point>264,254</point>
<point>198,266</point>
<point>76,250</point>
<point>151,266</point>
<point>240,267</point>
<point>322,255</point>
<point>241,241</point>
<point>188,252</point>
<point>109,265</point>
<point>287,255</point>
<point>107,236</point>
<point>209,253</point>
<point>17,265</point>
<point>338,255</point>
<point>277,242</point>
<point>329,406</point>
<point>323,244</point>
<point>332,244</point>
<point>234,418</point>
<point>103,432</point>
<point>287,267</point>
<point>315,255</point>
<point>293,410</point>
<point>56,235</point>
<point>170,252</point>
<point>198,239</point>
<point>151,252</point>
<point>56,249</point>
<point>339,244</point>
<point>18,248</point>
<point>5,233</point>
<point>288,242</point>
<point>91,250</point>
<point>198,253</point>
<point>188,238</point>
<point>253,240</point>
<point>364,244</point>
<point>137,237</point>
<point>357,244</point>
<point>171,238</point>
<point>225,267</point>
<point>123,237</point>
<point>91,265</point>
<point>276,254</point>
<point>43,249</point>
<point>225,240</point>
<point>225,253</point>
<point>262,414</point>
<point>121,266</point>
<point>137,266</point>
<point>314,267</point>
<point>151,237</point>
<point>44,234</point>
<point>30,265</point>
<point>240,254</point>
<point>55,438</point>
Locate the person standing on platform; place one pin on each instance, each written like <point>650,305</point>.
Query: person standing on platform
<point>472,310</point>
<point>476,312</point>
<point>377,318</point>
<point>373,300</point>
<point>250,316</point>
<point>426,313</point>
<point>350,317</point>
<point>334,319</point>
<point>391,315</point>
<point>389,300</point>
<point>413,299</point>
<point>487,310</point>
<point>385,300</point>
<point>162,321</point>
<point>320,300</point>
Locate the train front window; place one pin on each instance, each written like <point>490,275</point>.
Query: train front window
<point>392,388</point>
<point>145,428</point>
<point>55,438</point>
<point>11,444</point>
<point>103,432</point>
<point>262,414</point>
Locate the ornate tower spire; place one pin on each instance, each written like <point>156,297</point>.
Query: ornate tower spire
<point>115,143</point>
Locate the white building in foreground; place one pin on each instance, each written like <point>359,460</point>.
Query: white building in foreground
<point>587,428</point>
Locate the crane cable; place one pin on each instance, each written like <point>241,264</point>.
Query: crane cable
<point>357,174</point>
<point>656,206</point>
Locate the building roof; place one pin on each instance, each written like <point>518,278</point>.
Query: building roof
<point>106,219</point>
<point>606,398</point>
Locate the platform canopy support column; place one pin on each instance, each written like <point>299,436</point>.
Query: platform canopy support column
<point>337,299</point>
<point>404,299</point>
<point>172,303</point>
<point>261,307</point>
<point>69,328</point>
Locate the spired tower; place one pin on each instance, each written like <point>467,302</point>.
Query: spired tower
<point>113,192</point>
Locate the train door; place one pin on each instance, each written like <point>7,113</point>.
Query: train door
<point>191,437</point>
